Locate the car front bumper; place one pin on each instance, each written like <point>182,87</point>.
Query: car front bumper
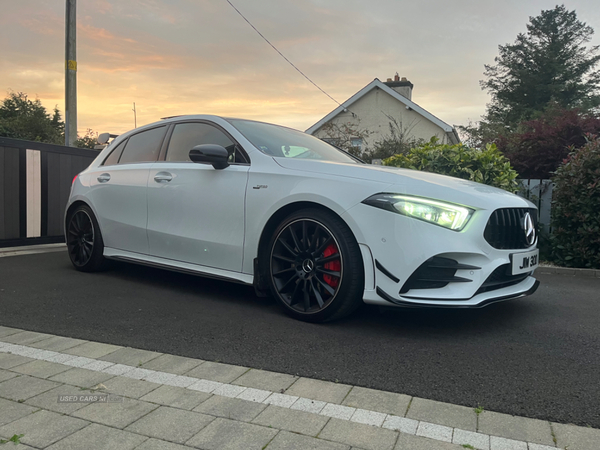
<point>394,247</point>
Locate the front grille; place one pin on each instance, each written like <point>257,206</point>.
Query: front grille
<point>504,229</point>
<point>500,278</point>
<point>436,273</point>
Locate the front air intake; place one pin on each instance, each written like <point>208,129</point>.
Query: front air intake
<point>436,273</point>
<point>501,278</point>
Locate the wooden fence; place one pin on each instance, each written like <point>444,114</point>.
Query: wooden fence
<point>35,182</point>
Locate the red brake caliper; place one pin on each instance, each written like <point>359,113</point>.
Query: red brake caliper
<point>332,265</point>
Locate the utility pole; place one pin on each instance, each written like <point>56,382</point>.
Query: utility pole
<point>71,74</point>
<point>134,116</point>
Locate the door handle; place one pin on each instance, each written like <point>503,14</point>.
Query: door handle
<point>163,177</point>
<point>104,178</point>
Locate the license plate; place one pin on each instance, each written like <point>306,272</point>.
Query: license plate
<point>524,262</point>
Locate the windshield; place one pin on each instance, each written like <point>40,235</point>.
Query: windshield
<point>282,142</point>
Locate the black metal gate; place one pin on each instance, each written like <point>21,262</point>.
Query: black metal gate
<point>35,181</point>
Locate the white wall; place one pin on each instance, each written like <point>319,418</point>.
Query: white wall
<point>371,113</point>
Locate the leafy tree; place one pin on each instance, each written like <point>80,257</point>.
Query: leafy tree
<point>89,140</point>
<point>487,166</point>
<point>575,205</point>
<point>548,63</point>
<point>398,141</point>
<point>539,146</point>
<point>478,134</point>
<point>344,136</point>
<point>23,118</point>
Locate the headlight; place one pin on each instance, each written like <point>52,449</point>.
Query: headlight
<point>447,215</point>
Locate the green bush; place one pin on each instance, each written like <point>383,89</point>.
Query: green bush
<point>487,166</point>
<point>576,207</point>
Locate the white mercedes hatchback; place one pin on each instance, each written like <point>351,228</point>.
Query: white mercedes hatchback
<point>274,207</point>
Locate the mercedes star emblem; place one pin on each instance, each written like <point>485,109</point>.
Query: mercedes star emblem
<point>529,229</point>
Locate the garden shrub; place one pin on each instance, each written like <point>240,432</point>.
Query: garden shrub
<point>487,166</point>
<point>539,146</point>
<point>575,208</point>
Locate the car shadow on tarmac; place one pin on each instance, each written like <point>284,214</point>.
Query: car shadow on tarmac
<point>456,321</point>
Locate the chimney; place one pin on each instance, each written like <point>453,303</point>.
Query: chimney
<point>401,85</point>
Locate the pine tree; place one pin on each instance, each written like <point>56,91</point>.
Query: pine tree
<point>549,64</point>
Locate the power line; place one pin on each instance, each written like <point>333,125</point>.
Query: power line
<point>281,54</point>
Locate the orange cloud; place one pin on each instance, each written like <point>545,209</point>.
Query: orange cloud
<point>107,52</point>
<point>44,22</point>
<point>101,6</point>
<point>99,34</point>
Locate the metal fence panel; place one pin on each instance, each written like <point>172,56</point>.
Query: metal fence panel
<point>2,209</point>
<point>20,206</point>
<point>10,186</point>
<point>539,192</point>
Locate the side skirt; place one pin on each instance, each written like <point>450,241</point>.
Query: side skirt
<point>178,266</point>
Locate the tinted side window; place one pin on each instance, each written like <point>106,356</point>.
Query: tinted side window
<point>187,135</point>
<point>143,146</point>
<point>113,157</point>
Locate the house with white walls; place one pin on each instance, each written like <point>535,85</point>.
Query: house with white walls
<point>371,108</point>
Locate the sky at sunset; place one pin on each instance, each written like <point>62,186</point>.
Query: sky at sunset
<point>175,57</point>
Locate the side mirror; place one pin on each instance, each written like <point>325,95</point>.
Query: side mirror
<point>210,154</point>
<point>103,138</point>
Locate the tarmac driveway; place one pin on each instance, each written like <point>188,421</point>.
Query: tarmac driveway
<point>537,357</point>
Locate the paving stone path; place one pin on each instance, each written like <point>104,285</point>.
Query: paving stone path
<point>63,393</point>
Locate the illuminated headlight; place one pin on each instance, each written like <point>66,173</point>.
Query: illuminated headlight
<point>447,215</point>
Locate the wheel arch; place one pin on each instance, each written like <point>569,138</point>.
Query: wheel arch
<point>274,222</point>
<point>73,206</point>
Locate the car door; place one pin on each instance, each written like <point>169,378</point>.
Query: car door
<point>118,190</point>
<point>195,212</point>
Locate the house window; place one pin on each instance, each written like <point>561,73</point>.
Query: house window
<point>357,143</point>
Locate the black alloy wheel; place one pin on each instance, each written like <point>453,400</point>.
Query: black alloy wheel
<point>84,241</point>
<point>312,263</point>
<point>80,238</point>
<point>306,266</point>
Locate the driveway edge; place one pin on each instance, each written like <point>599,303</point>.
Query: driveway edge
<point>590,273</point>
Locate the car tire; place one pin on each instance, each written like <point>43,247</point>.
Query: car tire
<point>315,268</point>
<point>84,240</point>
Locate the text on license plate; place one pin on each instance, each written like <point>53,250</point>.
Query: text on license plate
<point>525,262</point>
